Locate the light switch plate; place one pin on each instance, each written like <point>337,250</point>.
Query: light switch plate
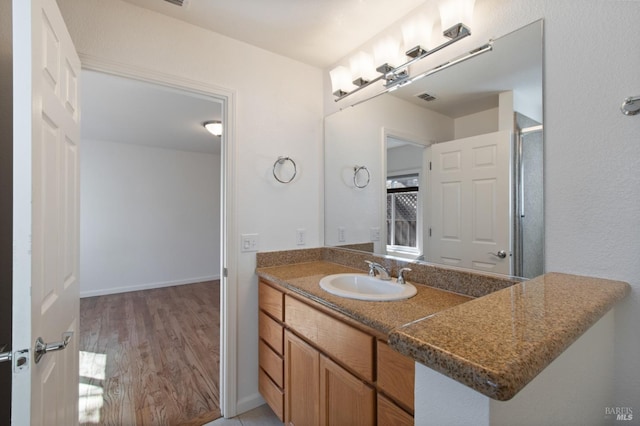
<point>248,242</point>
<point>341,234</point>
<point>301,236</point>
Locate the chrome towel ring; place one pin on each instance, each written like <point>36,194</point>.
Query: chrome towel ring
<point>356,171</point>
<point>280,161</point>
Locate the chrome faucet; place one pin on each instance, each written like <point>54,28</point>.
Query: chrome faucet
<point>383,273</point>
<point>401,279</point>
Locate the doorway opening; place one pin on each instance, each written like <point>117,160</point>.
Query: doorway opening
<point>152,246</point>
<point>406,196</point>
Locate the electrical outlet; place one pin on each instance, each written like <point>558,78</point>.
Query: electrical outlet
<point>300,236</point>
<point>375,234</point>
<point>249,242</point>
<point>341,234</point>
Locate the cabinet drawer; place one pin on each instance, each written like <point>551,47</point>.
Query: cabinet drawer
<point>271,393</point>
<point>270,300</point>
<point>271,363</point>
<point>390,414</point>
<point>396,374</point>
<point>344,343</point>
<point>270,331</point>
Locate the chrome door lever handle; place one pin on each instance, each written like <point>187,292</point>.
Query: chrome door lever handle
<point>42,347</point>
<point>501,254</point>
<point>4,356</point>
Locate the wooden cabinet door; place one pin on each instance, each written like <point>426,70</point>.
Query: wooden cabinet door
<point>302,384</point>
<point>389,414</point>
<point>344,399</point>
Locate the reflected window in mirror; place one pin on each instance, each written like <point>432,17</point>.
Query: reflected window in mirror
<point>403,214</point>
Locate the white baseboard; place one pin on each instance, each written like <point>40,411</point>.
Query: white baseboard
<point>249,403</point>
<point>147,286</point>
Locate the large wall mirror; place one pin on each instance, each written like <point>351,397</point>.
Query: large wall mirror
<point>449,169</point>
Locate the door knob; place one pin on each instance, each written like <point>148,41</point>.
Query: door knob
<point>42,347</point>
<point>501,254</point>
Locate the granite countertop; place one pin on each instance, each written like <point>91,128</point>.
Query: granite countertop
<point>495,344</point>
<point>304,278</point>
<point>498,343</point>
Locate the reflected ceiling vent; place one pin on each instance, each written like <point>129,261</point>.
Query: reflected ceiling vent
<point>180,3</point>
<point>426,97</point>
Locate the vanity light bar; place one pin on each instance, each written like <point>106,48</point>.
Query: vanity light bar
<point>475,52</point>
<point>395,75</point>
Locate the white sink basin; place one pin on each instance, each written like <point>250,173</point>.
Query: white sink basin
<point>365,287</point>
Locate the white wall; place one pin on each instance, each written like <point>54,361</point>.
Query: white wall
<point>476,124</point>
<point>403,158</point>
<point>278,112</point>
<point>592,184</point>
<point>149,217</point>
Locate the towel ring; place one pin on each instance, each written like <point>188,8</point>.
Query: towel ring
<point>281,161</point>
<point>358,169</point>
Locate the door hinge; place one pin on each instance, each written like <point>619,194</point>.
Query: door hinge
<point>429,231</point>
<point>224,272</point>
<point>429,165</point>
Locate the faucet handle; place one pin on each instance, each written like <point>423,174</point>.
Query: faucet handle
<point>372,270</point>
<point>401,279</point>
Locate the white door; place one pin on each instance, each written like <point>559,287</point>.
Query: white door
<point>45,214</point>
<point>471,213</point>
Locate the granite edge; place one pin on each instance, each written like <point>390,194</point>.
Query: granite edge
<point>500,385</point>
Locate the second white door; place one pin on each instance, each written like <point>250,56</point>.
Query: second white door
<point>471,207</point>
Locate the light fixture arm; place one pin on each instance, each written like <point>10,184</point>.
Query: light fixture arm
<point>396,75</point>
<point>487,47</point>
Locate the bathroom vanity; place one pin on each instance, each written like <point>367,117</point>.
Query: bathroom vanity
<point>318,367</point>
<point>323,355</point>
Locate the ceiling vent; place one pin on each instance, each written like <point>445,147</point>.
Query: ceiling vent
<point>426,97</point>
<point>178,2</point>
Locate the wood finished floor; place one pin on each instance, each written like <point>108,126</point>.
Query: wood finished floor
<point>162,356</point>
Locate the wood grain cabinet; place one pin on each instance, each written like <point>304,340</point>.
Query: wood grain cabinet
<point>396,376</point>
<point>302,381</point>
<point>271,347</point>
<point>315,369</point>
<point>344,399</point>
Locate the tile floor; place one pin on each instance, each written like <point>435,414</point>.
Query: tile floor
<point>261,416</point>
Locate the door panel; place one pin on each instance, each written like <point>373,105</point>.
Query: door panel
<point>344,399</point>
<point>302,382</point>
<point>46,221</point>
<point>471,217</point>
